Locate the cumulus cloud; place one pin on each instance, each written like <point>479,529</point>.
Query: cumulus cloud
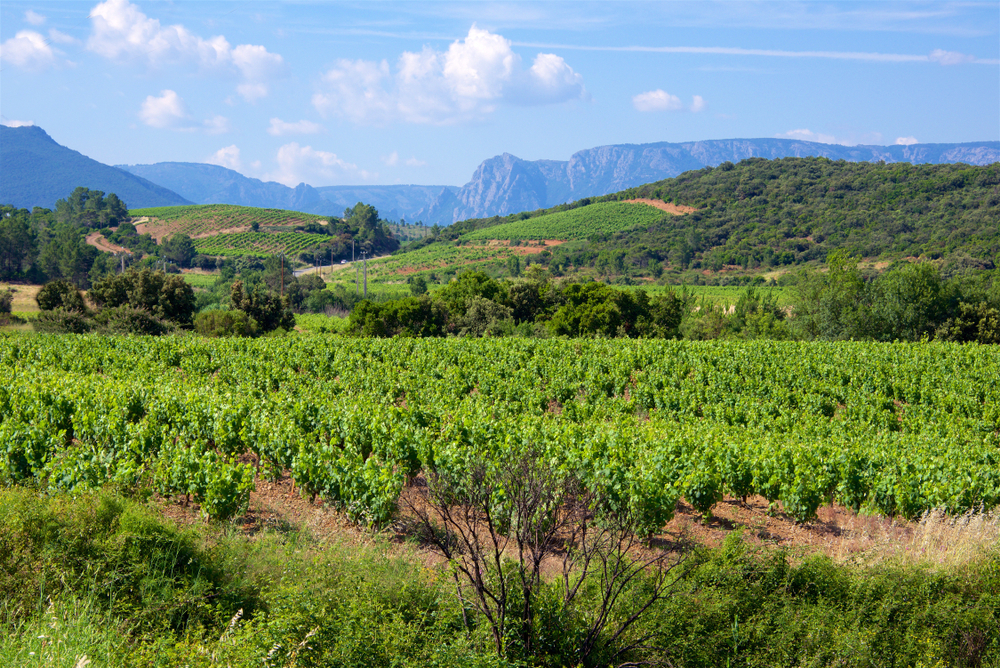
<point>18,124</point>
<point>805,134</point>
<point>228,157</point>
<point>34,18</point>
<point>217,125</point>
<point>950,57</point>
<point>304,164</point>
<point>166,111</point>
<point>906,141</point>
<point>280,128</point>
<point>661,100</point>
<point>120,31</point>
<point>465,82</point>
<point>60,37</point>
<point>28,50</point>
<point>392,160</point>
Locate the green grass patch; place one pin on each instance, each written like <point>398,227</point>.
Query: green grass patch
<point>579,223</point>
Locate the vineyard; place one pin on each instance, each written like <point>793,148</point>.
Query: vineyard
<point>202,219</point>
<point>893,429</point>
<point>258,243</point>
<point>429,259</point>
<point>580,223</point>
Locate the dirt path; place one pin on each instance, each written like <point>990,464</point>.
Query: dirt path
<point>97,240</point>
<point>669,207</point>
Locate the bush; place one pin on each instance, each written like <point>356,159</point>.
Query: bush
<point>130,320</point>
<point>6,300</point>
<point>62,321</point>
<point>225,323</point>
<point>60,295</point>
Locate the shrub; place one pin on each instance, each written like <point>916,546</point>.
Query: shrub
<point>6,300</point>
<point>130,320</point>
<point>225,323</point>
<point>60,295</point>
<point>62,321</point>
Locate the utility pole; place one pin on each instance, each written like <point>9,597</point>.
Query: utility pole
<point>366,275</point>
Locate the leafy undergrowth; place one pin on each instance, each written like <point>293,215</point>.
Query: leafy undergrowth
<point>107,579</point>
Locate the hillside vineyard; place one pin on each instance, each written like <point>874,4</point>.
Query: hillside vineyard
<point>889,428</point>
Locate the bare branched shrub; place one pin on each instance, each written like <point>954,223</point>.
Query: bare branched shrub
<point>504,522</point>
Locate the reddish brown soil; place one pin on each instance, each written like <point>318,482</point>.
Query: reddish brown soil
<point>669,207</point>
<point>838,532</point>
<point>97,240</point>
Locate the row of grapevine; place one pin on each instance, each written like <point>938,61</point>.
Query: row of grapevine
<point>895,429</point>
<point>580,223</point>
<point>258,243</point>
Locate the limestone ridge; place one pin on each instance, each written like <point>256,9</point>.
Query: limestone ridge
<point>506,184</point>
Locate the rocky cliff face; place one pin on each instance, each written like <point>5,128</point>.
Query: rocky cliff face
<point>506,184</point>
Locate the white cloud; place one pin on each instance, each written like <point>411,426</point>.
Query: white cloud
<point>280,128</point>
<point>950,57</point>
<point>392,159</point>
<point>217,125</point>
<point>34,18</point>
<point>804,134</point>
<point>304,164</point>
<point>657,100</point>
<point>18,124</point>
<point>906,141</point>
<point>661,100</point>
<point>120,31</point>
<point>943,57</point>
<point>463,83</point>
<point>166,111</point>
<point>60,37</point>
<point>413,162</point>
<point>228,157</point>
<point>29,50</point>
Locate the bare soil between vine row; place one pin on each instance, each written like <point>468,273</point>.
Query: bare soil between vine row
<point>837,532</point>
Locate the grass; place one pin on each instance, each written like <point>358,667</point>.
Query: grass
<point>101,579</point>
<point>24,297</point>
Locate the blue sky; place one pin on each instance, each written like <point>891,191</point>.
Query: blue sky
<point>422,92</point>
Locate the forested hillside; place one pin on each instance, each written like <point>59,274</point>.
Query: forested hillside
<point>777,213</point>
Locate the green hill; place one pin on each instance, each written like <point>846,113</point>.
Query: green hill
<point>765,215</point>
<point>211,218</point>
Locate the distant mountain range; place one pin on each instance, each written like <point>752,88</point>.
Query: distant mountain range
<point>36,171</point>
<point>507,184</point>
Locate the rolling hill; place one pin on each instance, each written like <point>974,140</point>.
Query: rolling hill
<point>758,215</point>
<point>37,171</point>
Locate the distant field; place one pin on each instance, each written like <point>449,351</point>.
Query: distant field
<point>723,296</point>
<point>200,280</point>
<point>257,243</point>
<point>426,260</point>
<point>603,218</point>
<point>24,297</point>
<point>196,220</point>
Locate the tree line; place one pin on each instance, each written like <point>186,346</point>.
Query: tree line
<point>908,302</point>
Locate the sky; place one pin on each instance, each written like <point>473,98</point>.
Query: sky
<point>332,93</point>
